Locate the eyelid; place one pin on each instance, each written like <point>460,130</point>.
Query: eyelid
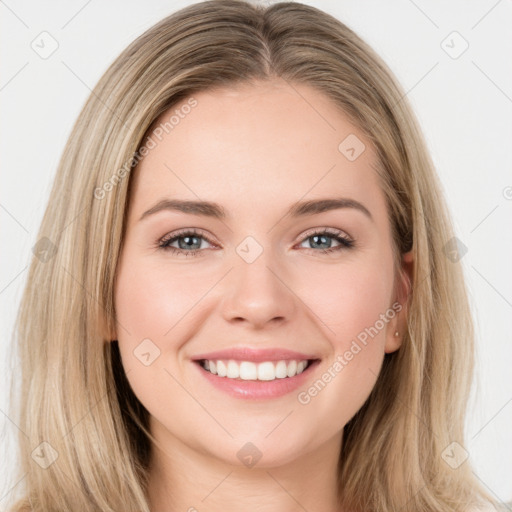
<point>331,231</point>
<point>186,231</point>
<point>344,240</point>
<point>200,232</point>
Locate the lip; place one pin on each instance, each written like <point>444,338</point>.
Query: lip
<point>255,355</point>
<point>256,389</point>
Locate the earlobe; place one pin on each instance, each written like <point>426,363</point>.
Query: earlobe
<point>398,326</point>
<point>393,341</point>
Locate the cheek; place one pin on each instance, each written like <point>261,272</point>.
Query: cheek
<point>354,311</point>
<point>157,308</point>
<point>151,301</point>
<point>144,313</point>
<point>350,300</point>
<point>149,304</point>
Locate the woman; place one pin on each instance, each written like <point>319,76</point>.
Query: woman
<point>182,348</point>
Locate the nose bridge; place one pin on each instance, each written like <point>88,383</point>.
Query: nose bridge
<point>256,291</point>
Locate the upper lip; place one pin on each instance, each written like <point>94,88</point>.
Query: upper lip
<point>255,355</point>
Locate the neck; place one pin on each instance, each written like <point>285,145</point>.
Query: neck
<point>184,479</point>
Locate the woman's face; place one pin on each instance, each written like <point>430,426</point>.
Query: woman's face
<point>252,286</point>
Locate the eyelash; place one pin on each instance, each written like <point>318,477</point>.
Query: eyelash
<point>164,243</point>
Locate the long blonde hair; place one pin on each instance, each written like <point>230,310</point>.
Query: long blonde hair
<point>74,397</point>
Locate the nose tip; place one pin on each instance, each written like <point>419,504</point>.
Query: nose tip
<point>256,294</point>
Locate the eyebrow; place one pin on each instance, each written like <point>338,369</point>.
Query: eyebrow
<point>216,211</point>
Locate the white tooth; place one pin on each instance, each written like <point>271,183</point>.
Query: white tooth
<point>248,370</point>
<point>233,371</point>
<point>292,368</point>
<point>281,370</point>
<point>300,367</point>
<point>266,371</point>
<point>221,369</point>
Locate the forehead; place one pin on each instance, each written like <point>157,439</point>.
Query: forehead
<point>257,144</point>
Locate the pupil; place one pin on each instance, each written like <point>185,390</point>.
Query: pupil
<point>316,237</point>
<point>187,241</point>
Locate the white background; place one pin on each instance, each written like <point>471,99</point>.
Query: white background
<point>464,106</point>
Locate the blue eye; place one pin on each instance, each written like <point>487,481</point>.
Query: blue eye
<point>190,241</point>
<point>322,238</point>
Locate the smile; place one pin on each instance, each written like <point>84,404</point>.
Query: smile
<point>252,380</point>
<point>249,370</point>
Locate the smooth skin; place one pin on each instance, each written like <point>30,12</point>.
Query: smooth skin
<point>255,149</point>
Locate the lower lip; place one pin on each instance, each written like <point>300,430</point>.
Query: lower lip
<point>255,389</point>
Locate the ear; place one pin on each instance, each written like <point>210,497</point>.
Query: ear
<point>398,324</point>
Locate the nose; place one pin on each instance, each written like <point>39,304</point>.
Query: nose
<point>258,294</point>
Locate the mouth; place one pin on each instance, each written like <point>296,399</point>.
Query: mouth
<point>256,380</point>
<point>255,371</point>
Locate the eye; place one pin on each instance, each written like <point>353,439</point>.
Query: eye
<point>190,241</point>
<point>320,239</point>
